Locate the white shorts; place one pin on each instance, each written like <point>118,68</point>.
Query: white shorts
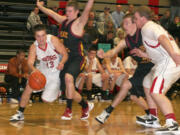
<point>52,88</point>
<point>96,79</point>
<point>161,77</point>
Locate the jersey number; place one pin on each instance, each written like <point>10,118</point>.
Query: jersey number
<point>50,64</point>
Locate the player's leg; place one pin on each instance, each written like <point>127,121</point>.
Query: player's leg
<point>81,79</point>
<point>140,102</point>
<point>152,119</point>
<point>158,90</point>
<point>24,101</point>
<point>113,82</point>
<point>72,94</point>
<point>105,86</point>
<point>126,85</point>
<point>89,86</point>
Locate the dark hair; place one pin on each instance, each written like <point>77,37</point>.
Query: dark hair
<point>39,27</point>
<point>145,11</point>
<point>92,48</point>
<point>130,15</point>
<point>110,31</point>
<point>19,51</point>
<point>73,4</point>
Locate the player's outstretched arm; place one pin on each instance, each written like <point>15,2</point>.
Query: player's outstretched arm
<point>61,50</point>
<point>49,12</point>
<point>32,58</point>
<point>121,45</point>
<point>82,20</point>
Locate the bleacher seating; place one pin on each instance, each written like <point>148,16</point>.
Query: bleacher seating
<point>13,32</point>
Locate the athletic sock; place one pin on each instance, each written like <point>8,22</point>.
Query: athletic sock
<point>153,111</point>
<point>109,109</point>
<point>21,109</point>
<point>83,103</point>
<point>69,103</point>
<point>80,91</point>
<point>170,116</point>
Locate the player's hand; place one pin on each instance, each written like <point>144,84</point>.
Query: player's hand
<point>35,70</point>
<point>39,3</point>
<point>60,66</point>
<point>176,58</point>
<point>100,53</point>
<point>137,52</point>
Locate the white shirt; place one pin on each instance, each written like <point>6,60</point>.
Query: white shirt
<point>48,57</point>
<point>150,34</point>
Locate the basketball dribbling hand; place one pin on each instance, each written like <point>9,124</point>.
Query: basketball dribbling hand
<point>100,53</point>
<point>60,66</point>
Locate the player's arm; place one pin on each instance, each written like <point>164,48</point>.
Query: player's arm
<point>88,67</point>
<point>107,64</point>
<point>122,67</point>
<point>32,58</point>
<point>121,45</point>
<point>61,50</point>
<point>164,41</point>
<point>82,20</point>
<point>49,12</point>
<point>100,68</point>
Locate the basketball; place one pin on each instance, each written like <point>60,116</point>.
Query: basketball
<point>37,80</point>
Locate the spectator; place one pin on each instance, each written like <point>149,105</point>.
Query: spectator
<point>165,20</point>
<point>33,19</point>
<point>92,31</point>
<point>93,74</point>
<point>109,27</point>
<point>118,16</point>
<point>156,18</point>
<point>17,74</point>
<point>103,19</point>
<point>108,38</point>
<point>92,17</point>
<point>130,9</point>
<point>120,34</point>
<point>115,69</point>
<point>54,28</point>
<point>174,28</point>
<point>175,9</point>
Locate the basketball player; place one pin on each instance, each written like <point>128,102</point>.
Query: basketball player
<point>162,49</point>
<point>71,35</point>
<point>48,50</point>
<point>132,40</point>
<point>114,67</point>
<point>93,73</point>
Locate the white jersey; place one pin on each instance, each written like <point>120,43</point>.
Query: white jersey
<point>115,65</point>
<point>150,34</point>
<point>94,66</point>
<point>48,57</point>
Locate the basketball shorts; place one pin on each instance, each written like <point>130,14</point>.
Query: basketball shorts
<point>137,80</point>
<point>51,90</point>
<point>96,79</point>
<point>73,66</point>
<point>162,76</point>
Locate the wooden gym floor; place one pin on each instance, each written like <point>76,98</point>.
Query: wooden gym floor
<point>44,119</point>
